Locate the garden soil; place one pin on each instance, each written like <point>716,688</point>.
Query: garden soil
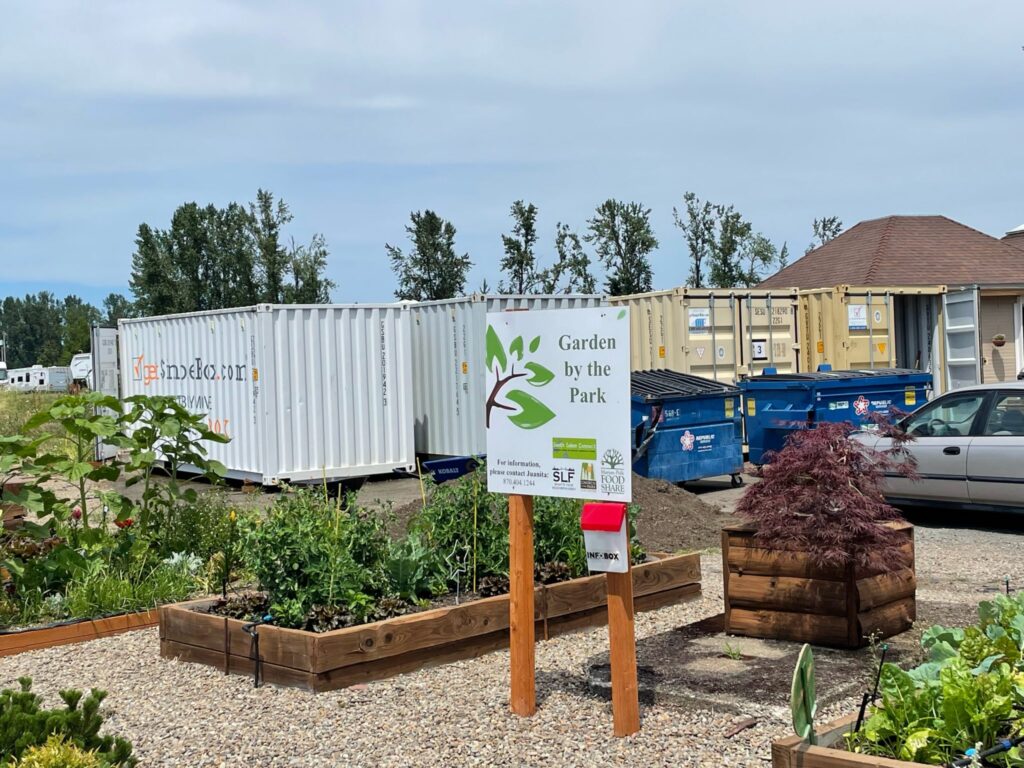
<point>671,519</point>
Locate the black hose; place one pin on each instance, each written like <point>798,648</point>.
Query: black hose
<point>252,629</point>
<point>1004,745</point>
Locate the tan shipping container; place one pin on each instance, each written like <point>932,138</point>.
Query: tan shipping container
<point>717,334</point>
<point>864,328</point>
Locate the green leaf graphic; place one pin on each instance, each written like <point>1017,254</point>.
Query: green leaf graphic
<point>541,375</point>
<point>516,347</point>
<point>495,350</point>
<point>535,344</point>
<point>622,314</point>
<point>533,414</point>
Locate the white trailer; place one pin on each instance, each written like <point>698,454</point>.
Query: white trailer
<point>307,393</point>
<point>448,358</point>
<point>40,378</point>
<point>81,369</point>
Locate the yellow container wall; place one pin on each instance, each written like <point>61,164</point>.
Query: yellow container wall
<point>852,328</point>
<point>715,334</point>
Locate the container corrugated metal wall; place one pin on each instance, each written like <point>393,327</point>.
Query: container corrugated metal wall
<point>856,328</point>
<point>717,334</point>
<point>448,355</point>
<point>304,392</point>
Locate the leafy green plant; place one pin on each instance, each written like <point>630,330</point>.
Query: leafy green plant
<point>969,692</point>
<point>465,524</point>
<point>25,724</point>
<point>160,432</point>
<point>82,420</point>
<point>731,651</point>
<point>302,557</point>
<point>104,590</point>
<point>531,413</point>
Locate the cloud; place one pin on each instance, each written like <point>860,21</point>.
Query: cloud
<point>357,113</point>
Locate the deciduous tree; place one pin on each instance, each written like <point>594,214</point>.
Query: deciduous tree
<point>826,228</point>
<point>519,263</point>
<point>623,239</point>
<point>572,271</point>
<point>431,269</point>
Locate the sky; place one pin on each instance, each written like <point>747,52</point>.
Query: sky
<point>113,114</point>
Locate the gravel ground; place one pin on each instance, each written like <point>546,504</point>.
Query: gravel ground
<point>457,715</point>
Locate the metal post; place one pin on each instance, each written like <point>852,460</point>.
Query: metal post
<point>771,324</point>
<point>891,322</point>
<point>750,331</point>
<point>714,343</point>
<point>871,334</point>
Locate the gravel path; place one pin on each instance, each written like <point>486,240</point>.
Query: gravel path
<point>189,715</point>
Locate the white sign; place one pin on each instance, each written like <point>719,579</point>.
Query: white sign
<point>557,409</point>
<point>759,349</point>
<point>857,317</point>
<point>700,318</point>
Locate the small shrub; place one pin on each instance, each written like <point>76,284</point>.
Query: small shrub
<point>822,495</point>
<point>57,752</point>
<point>302,555</point>
<point>24,724</point>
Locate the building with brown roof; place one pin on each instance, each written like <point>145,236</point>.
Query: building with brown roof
<point>917,291</point>
<point>905,251</point>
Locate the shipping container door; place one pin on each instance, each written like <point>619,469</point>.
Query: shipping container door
<point>963,358</point>
<point>768,333</point>
<point>104,376</point>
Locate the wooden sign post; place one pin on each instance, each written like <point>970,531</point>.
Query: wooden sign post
<point>520,604</point>
<point>622,644</point>
<point>606,537</point>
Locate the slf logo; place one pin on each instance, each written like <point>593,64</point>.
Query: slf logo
<point>564,477</point>
<point>564,474</point>
<point>861,406</point>
<point>687,440</point>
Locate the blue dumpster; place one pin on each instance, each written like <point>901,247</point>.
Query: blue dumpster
<point>685,427</point>
<point>777,404</point>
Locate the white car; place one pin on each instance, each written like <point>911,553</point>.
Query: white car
<point>969,446</point>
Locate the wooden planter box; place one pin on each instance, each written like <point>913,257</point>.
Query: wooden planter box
<point>343,657</point>
<point>76,632</point>
<point>794,752</point>
<point>782,596</point>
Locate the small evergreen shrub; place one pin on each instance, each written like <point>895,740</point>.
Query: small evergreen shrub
<point>25,725</point>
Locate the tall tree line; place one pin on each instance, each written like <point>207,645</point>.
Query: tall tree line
<point>213,258</point>
<point>41,329</point>
<point>724,249</point>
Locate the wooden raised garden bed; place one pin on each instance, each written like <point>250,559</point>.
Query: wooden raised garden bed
<point>782,596</point>
<point>75,632</point>
<point>794,752</point>
<point>343,657</point>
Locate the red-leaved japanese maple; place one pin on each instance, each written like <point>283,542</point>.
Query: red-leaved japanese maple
<point>821,495</point>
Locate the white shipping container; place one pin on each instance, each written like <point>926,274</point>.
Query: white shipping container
<point>305,392</point>
<point>448,357</point>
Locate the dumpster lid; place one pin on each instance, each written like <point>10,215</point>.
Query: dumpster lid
<point>602,516</point>
<point>658,385</point>
<point>861,373</point>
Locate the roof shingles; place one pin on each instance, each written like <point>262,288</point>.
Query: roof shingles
<point>905,251</point>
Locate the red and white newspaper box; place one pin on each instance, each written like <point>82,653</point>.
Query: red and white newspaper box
<point>606,537</point>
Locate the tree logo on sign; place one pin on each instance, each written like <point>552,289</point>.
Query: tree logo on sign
<point>531,412</point>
